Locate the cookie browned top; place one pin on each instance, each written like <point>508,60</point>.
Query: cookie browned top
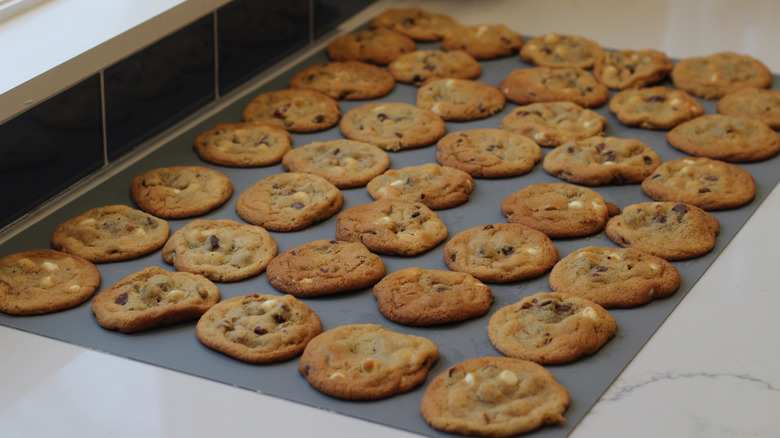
<point>549,84</point>
<point>670,230</point>
<point>726,138</point>
<point>377,46</point>
<point>654,107</point>
<point>703,182</point>
<point>392,226</point>
<point>416,23</point>
<point>366,362</point>
<point>460,99</point>
<point>553,123</point>
<point>259,328</point>
<point>289,201</point>
<point>153,297</point>
<point>623,69</point>
<point>45,281</point>
<point>556,50</point>
<point>421,297</point>
<point>488,153</point>
<point>294,109</point>
<point>348,80</point>
<point>551,328</point>
<point>421,66</point>
<point>557,209</point>
<point>344,163</point>
<point>494,396</point>
<point>246,144</point>
<point>484,41</point>
<point>614,277</point>
<point>602,160</point>
<point>759,103</point>
<point>392,126</point>
<point>325,267</point>
<point>180,191</point>
<point>436,186</point>
<point>111,233</point>
<point>220,250</point>
<point>713,76</point>
<point>500,253</point>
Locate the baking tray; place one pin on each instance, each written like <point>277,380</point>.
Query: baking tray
<point>177,348</point>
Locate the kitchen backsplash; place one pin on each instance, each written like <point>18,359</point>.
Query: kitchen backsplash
<point>52,146</point>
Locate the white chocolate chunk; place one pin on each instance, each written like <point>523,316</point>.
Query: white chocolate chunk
<point>47,282</point>
<point>175,295</point>
<point>49,266</point>
<point>469,379</point>
<point>588,312</point>
<point>337,375</point>
<point>509,377</point>
<point>75,288</point>
<point>384,220</point>
<point>268,305</point>
<point>575,205</point>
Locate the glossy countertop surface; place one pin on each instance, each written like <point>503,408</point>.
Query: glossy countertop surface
<point>712,369</point>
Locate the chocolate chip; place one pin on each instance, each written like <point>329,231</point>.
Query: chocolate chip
<point>487,227</point>
<point>297,205</point>
<point>260,331</point>
<point>660,218</point>
<point>399,135</point>
<point>415,214</point>
<point>657,175</point>
<point>655,99</point>
<point>417,78</point>
<point>279,319</point>
<point>680,209</point>
<point>522,113</point>
<point>704,190</point>
<point>382,117</point>
<point>214,242</point>
<point>711,178</point>
<point>526,305</point>
<point>276,187</point>
<point>563,308</point>
<point>600,147</point>
<point>440,289</point>
<point>545,303</point>
<point>647,159</point>
<point>121,300</point>
<point>507,250</point>
<point>319,119</point>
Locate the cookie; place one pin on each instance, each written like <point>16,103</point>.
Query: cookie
<point>670,230</point>
<point>726,138</point>
<point>551,328</point>
<point>551,124</point>
<point>657,108</point>
<point>557,209</point>
<point>436,186</point>
<point>377,46</point>
<point>243,144</point>
<point>344,163</point>
<point>501,253</point>
<point>424,297</point>
<point>325,267</point>
<point>712,76</point>
<point>623,69</point>
<point>348,80</point>
<point>153,297</point>
<point>460,100</point>
<point>484,41</point>
<point>421,66</point>
<point>602,160</point>
<point>259,328</point>
<point>392,126</point>
<point>416,23</point>
<point>703,182</point>
<point>494,396</point>
<point>180,191</point>
<point>45,281</point>
<point>758,103</point>
<point>294,109</point>
<point>289,201</point>
<point>220,250</point>
<point>366,362</point>
<point>111,233</point>
<point>550,84</point>
<point>488,153</point>
<point>614,277</point>
<point>556,50</point>
<point>392,226</point>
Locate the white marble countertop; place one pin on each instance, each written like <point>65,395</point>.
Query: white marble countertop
<point>712,369</point>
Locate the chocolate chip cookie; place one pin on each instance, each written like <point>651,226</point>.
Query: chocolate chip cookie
<point>423,297</point>
<point>294,109</point>
<point>154,297</point>
<point>657,108</point>
<point>614,277</point>
<point>436,186</point>
<point>344,163</point>
<point>726,138</point>
<point>289,201</point>
<point>488,153</point>
<point>758,103</point>
<point>246,144</point>
<point>259,328</point>
<point>325,267</point>
<point>416,23</point>
<point>623,69</point>
<point>392,126</point>
<point>180,191</point>
<point>557,50</point>
<point>348,80</point>
<point>550,84</point>
<point>366,362</point>
<point>501,253</point>
<point>484,41</point>
<point>44,281</point>
<point>602,160</point>
<point>714,75</point>
<point>460,100</point>
<point>552,123</point>
<point>377,46</point>
<point>670,230</point>
<point>392,226</point>
<point>551,328</point>
<point>421,66</point>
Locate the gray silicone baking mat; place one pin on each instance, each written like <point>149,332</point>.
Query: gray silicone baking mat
<point>177,347</point>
